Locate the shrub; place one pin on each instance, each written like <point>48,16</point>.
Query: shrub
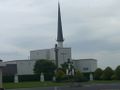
<point>29,78</point>
<point>87,76</point>
<point>114,77</point>
<point>8,78</point>
<point>60,75</point>
<point>79,77</point>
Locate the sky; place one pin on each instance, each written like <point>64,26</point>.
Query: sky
<point>90,27</point>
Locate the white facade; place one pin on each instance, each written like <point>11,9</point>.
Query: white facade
<point>60,44</point>
<point>24,67</point>
<point>40,54</point>
<point>85,65</point>
<point>63,54</point>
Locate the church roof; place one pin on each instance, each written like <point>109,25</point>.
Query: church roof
<point>59,33</point>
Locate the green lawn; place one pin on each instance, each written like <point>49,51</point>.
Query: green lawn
<point>102,82</point>
<point>48,84</point>
<point>111,81</point>
<point>30,84</point>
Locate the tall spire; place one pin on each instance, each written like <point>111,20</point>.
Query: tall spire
<point>59,33</point>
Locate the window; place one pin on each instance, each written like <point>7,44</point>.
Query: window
<point>85,68</point>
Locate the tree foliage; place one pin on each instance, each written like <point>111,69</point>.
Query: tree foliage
<point>107,74</point>
<point>114,77</point>
<point>97,74</point>
<point>44,66</point>
<point>117,72</point>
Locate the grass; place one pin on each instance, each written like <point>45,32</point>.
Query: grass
<point>31,84</point>
<point>102,82</point>
<point>49,84</point>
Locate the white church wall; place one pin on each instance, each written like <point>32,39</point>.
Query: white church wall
<point>40,54</point>
<point>63,55</point>
<point>85,65</point>
<point>10,62</point>
<point>52,54</point>
<point>25,67</point>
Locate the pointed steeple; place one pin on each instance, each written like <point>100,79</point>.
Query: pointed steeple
<point>59,33</point>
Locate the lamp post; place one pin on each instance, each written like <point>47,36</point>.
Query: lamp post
<point>56,60</point>
<point>56,55</point>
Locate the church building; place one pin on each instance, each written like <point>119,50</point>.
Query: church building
<point>25,67</point>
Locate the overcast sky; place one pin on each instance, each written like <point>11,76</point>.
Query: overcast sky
<point>91,28</point>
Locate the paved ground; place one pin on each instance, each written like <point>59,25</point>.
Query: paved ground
<point>86,87</point>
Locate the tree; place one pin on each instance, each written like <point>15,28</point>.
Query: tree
<point>107,74</point>
<point>97,74</point>
<point>117,72</point>
<point>44,66</point>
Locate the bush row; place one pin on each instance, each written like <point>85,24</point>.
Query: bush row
<point>23,78</point>
<point>107,74</point>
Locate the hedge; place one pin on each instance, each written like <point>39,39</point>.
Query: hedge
<point>23,78</point>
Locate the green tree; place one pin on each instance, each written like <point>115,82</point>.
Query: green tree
<point>107,74</point>
<point>97,74</point>
<point>117,72</point>
<point>44,66</point>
